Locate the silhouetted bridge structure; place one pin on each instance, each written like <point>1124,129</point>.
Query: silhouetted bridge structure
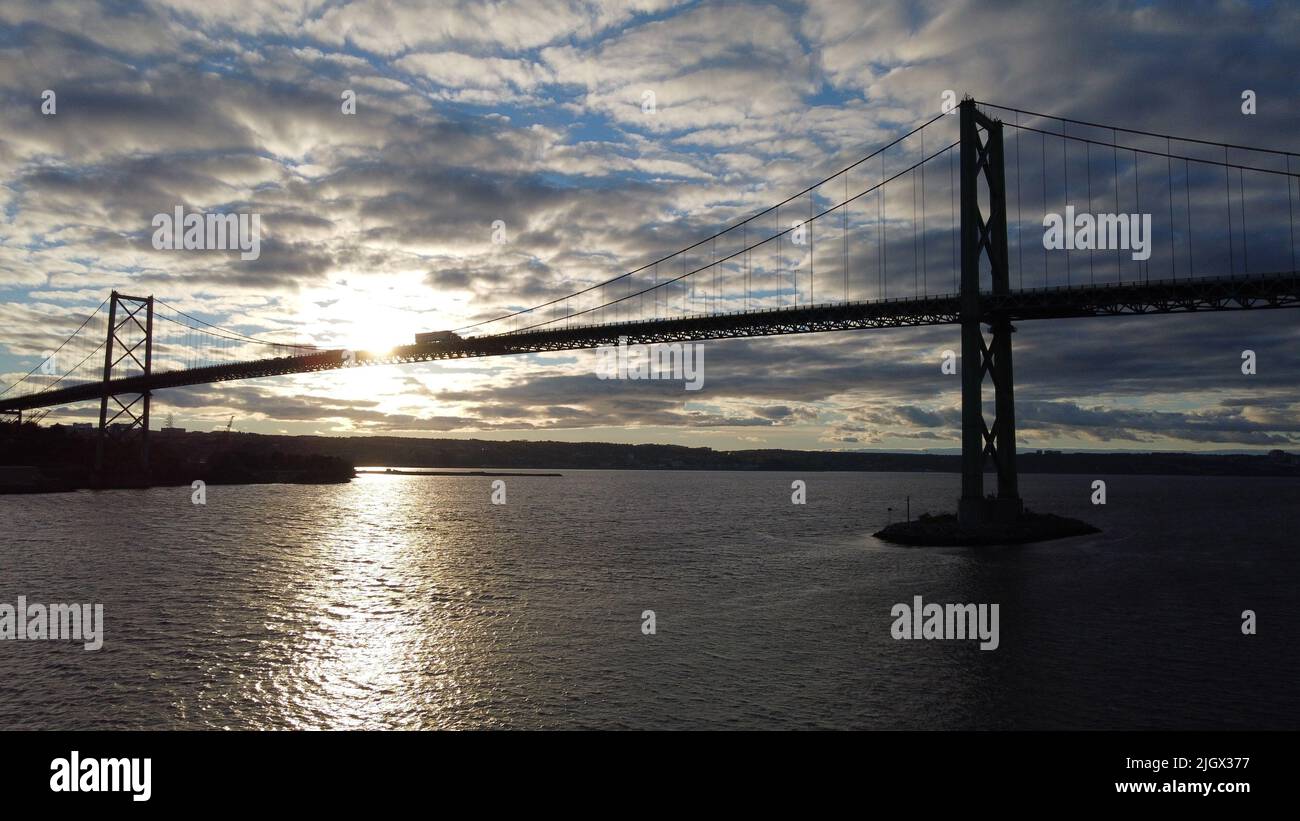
<point>755,286</point>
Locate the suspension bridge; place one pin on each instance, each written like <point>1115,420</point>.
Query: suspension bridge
<point>943,225</point>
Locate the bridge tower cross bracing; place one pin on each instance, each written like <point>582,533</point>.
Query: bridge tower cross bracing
<point>127,335</point>
<point>984,238</point>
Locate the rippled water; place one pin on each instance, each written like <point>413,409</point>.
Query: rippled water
<point>412,602</point>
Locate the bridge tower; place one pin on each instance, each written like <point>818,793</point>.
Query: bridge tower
<point>984,246</point>
<point>128,338</point>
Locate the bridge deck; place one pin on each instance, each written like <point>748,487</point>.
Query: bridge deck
<point>1155,297</point>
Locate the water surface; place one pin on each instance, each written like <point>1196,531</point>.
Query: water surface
<point>413,602</point>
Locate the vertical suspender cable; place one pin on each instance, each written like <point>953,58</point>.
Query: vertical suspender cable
<point>916,255</point>
<point>1020,245</point>
<point>925,268</point>
<point>1227,193</point>
<point>1169,170</point>
<point>1114,151</point>
<point>1043,137</point>
<point>1065,185</point>
<point>1137,193</point>
<point>1290,210</point>
<point>1187,191</point>
<point>952,214</point>
<point>1245,232</point>
<point>1088,149</point>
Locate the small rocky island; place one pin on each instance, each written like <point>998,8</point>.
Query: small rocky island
<point>946,531</point>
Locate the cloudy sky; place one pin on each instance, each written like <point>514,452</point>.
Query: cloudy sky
<point>379,224</point>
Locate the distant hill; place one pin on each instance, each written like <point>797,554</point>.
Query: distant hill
<point>174,450</point>
<point>396,451</point>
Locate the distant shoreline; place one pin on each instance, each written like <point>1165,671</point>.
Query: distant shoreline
<point>395,472</point>
<point>55,458</point>
<point>409,453</point>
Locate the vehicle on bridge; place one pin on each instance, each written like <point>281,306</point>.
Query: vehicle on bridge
<point>437,338</point>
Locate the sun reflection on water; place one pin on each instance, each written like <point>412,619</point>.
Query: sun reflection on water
<point>383,646</point>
